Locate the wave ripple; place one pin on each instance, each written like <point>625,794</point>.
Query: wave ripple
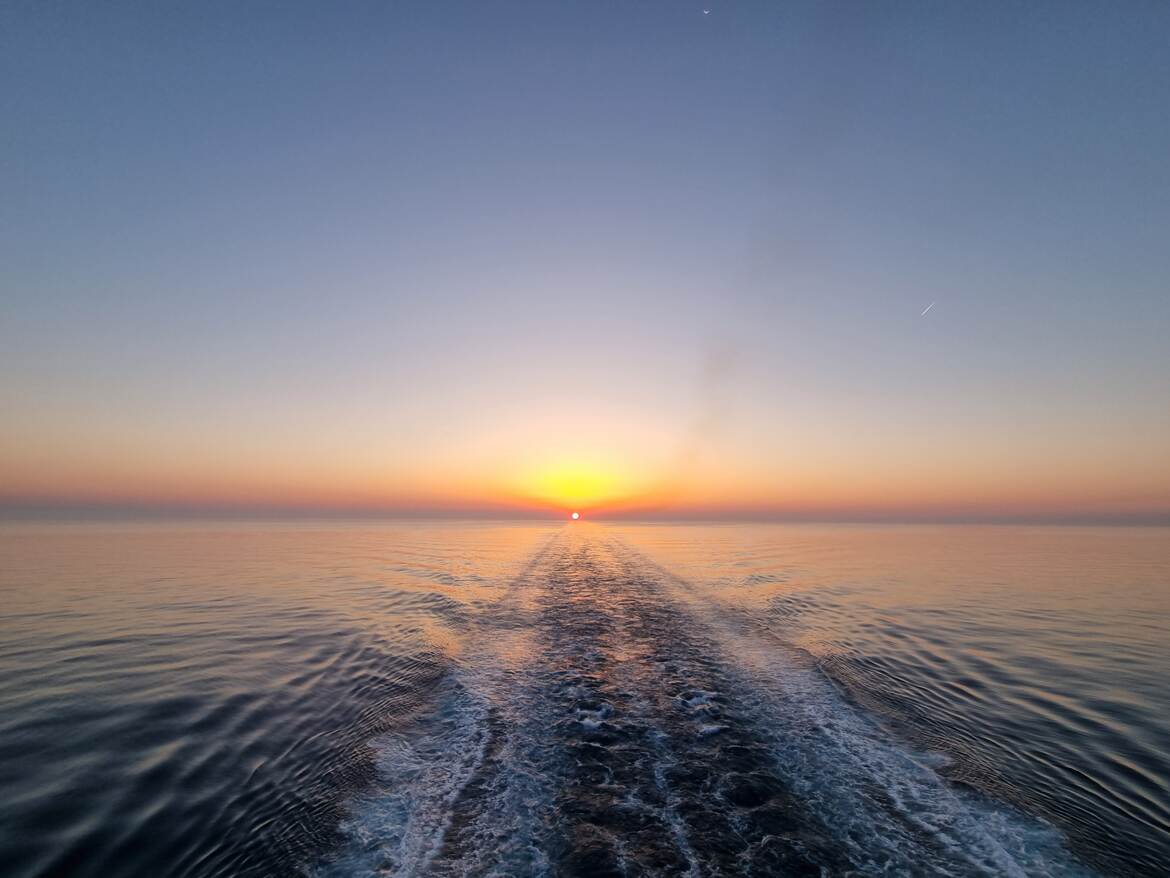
<point>603,721</point>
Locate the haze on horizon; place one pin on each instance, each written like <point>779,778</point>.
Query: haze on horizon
<point>525,258</point>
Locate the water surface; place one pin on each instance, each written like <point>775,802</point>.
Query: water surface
<point>460,699</point>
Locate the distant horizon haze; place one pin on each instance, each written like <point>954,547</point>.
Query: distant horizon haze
<point>25,511</point>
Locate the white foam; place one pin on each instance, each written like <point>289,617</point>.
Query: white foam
<point>397,828</point>
<point>697,698</point>
<point>593,718</point>
<point>678,828</point>
<point>894,813</point>
<point>886,807</point>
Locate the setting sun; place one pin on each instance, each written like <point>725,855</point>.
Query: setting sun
<point>576,515</point>
<point>581,481</point>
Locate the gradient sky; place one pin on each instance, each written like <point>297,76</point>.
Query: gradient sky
<point>631,257</point>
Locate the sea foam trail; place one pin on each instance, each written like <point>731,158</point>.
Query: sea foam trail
<point>603,719</point>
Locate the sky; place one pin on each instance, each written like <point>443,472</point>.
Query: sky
<point>655,259</point>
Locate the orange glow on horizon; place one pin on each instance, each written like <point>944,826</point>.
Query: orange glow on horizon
<point>609,469</point>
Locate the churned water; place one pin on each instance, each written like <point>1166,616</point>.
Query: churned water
<point>350,699</point>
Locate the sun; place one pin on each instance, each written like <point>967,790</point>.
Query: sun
<point>576,515</point>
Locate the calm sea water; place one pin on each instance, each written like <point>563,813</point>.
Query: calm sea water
<point>214,699</point>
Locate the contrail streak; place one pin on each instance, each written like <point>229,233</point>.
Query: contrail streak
<point>927,308</point>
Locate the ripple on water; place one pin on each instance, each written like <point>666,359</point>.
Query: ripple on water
<point>641,735</point>
<point>465,699</point>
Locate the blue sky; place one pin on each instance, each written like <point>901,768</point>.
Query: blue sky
<point>408,234</point>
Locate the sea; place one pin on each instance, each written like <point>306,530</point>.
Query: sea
<point>394,698</point>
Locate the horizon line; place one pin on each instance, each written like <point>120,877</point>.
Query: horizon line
<point>96,512</point>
